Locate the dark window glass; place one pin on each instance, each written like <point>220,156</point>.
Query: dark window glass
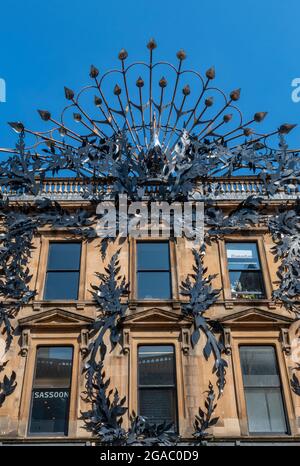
<point>245,271</point>
<point>62,279</point>
<point>157,384</point>
<point>51,391</point>
<point>262,388</point>
<point>153,270</point>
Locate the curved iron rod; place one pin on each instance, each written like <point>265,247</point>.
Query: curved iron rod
<point>129,103</point>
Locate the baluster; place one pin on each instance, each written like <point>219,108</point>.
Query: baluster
<point>242,184</point>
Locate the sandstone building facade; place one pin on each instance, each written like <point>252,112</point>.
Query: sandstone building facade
<point>156,367</point>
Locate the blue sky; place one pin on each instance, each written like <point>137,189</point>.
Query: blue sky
<point>46,45</point>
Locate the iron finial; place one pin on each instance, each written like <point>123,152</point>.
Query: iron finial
<point>117,90</point>
<point>211,73</point>
<point>151,44</point>
<point>77,117</point>
<point>17,126</point>
<point>259,116</point>
<point>186,90</point>
<point>181,55</point>
<point>123,54</point>
<point>139,82</point>
<point>94,72</point>
<point>97,101</point>
<point>227,117</point>
<point>69,94</point>
<point>209,101</point>
<point>286,128</point>
<point>235,94</point>
<point>44,114</point>
<point>163,82</point>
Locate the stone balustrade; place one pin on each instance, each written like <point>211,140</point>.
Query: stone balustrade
<point>220,188</point>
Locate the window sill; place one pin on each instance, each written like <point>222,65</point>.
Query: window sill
<point>78,304</point>
<point>81,304</point>
<point>46,436</point>
<point>134,303</point>
<point>267,435</point>
<point>229,303</point>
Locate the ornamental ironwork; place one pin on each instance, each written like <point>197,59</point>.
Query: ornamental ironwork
<point>149,123</point>
<point>153,131</point>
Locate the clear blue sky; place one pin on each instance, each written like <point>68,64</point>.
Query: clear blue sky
<point>46,45</point>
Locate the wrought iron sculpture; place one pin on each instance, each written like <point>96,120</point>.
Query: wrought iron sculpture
<point>142,432</point>
<point>104,420</point>
<point>112,311</point>
<point>7,386</point>
<point>171,137</point>
<point>204,419</point>
<point>246,214</point>
<point>295,382</point>
<point>105,417</point>
<point>168,134</point>
<point>201,296</point>
<point>20,224</point>
<point>285,230</point>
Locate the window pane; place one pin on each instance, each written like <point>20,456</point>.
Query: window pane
<point>157,383</point>
<point>153,256</point>
<point>51,391</point>
<point>61,285</point>
<point>257,410</point>
<point>246,284</point>
<point>158,405</point>
<point>275,406</point>
<point>259,366</point>
<point>156,365</point>
<point>49,411</point>
<point>265,410</point>
<point>153,285</point>
<point>64,256</point>
<point>263,395</point>
<point>242,256</point>
<point>53,367</point>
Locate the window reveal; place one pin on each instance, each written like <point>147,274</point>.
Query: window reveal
<point>157,383</point>
<point>262,387</point>
<point>63,268</point>
<point>245,274</point>
<point>51,391</point>
<point>153,270</point>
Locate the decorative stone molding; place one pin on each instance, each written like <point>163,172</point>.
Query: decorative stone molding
<point>157,319</point>
<point>185,341</point>
<point>126,341</point>
<point>285,341</point>
<point>256,318</point>
<point>84,342</point>
<point>55,319</point>
<point>227,340</point>
<point>25,342</point>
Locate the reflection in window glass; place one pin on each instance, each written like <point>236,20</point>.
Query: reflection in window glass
<point>157,383</point>
<point>51,391</point>
<point>244,271</point>
<point>262,389</point>
<point>153,270</point>
<point>63,269</point>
